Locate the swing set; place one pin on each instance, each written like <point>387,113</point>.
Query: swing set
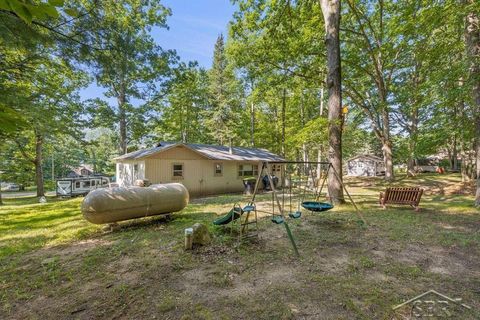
<point>280,217</point>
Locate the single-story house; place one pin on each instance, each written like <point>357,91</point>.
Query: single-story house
<point>203,169</point>
<point>365,165</point>
<point>83,170</point>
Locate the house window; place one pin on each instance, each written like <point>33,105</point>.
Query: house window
<point>276,169</point>
<point>77,185</point>
<point>218,169</point>
<point>85,184</point>
<point>247,170</point>
<point>177,171</point>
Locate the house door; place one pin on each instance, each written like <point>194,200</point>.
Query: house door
<point>202,183</point>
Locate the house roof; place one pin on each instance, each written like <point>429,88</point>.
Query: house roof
<point>367,156</point>
<point>78,170</point>
<point>209,151</point>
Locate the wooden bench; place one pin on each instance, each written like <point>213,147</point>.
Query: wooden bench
<point>402,196</point>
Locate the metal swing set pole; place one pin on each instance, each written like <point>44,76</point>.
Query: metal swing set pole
<point>281,210</point>
<point>266,165</point>
<point>359,214</point>
<point>330,166</point>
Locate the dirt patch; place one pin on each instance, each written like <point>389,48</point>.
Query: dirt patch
<point>439,260</point>
<point>377,276</point>
<point>460,188</point>
<point>448,226</point>
<point>76,248</point>
<point>448,189</point>
<point>331,260</point>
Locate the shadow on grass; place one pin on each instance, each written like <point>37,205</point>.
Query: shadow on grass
<point>20,244</point>
<point>40,221</point>
<point>21,201</point>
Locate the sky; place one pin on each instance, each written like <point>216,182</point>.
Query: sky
<point>193,29</point>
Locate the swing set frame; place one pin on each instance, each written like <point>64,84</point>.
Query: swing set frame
<point>267,165</point>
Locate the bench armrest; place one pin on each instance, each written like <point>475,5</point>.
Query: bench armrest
<point>382,198</point>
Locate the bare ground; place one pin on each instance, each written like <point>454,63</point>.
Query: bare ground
<point>346,270</point>
<point>353,274</point>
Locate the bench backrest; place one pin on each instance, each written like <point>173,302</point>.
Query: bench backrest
<point>403,195</point>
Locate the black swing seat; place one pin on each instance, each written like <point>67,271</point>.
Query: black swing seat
<point>317,206</point>
<point>277,219</point>
<point>295,215</point>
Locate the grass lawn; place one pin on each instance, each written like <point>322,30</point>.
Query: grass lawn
<point>54,264</point>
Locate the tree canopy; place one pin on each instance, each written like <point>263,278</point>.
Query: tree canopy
<point>399,80</point>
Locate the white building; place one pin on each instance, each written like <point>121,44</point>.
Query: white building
<point>365,165</point>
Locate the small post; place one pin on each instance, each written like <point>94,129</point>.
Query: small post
<point>188,238</point>
<point>53,168</point>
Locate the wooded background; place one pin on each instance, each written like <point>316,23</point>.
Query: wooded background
<point>409,70</point>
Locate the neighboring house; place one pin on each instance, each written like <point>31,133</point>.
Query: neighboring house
<point>203,169</point>
<point>365,166</point>
<point>429,164</point>
<point>84,170</point>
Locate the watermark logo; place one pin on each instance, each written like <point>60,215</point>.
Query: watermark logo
<point>432,305</point>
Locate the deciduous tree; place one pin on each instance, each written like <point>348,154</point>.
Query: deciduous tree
<point>331,15</point>
<point>123,56</point>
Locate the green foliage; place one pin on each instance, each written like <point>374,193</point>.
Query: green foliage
<point>128,64</point>
<point>405,74</point>
<point>184,107</point>
<point>14,165</point>
<point>225,98</point>
<point>29,10</point>
<point>314,131</point>
<point>20,51</point>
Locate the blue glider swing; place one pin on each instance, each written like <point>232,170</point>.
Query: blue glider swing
<point>313,206</point>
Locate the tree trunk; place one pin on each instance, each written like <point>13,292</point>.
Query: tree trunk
<point>284,107</point>
<point>331,16</point>
<point>464,164</point>
<point>276,134</point>
<point>472,37</point>
<point>38,165</point>
<point>320,146</point>
<point>454,164</point>
<point>94,160</point>
<point>477,120</point>
<point>1,201</point>
<point>306,168</point>
<point>412,142</point>
<point>252,125</point>
<point>122,118</point>
<point>413,127</point>
<point>387,146</point>
<point>388,159</point>
<point>305,159</point>
<point>410,166</point>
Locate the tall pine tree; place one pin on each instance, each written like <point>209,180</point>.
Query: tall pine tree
<point>225,97</point>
